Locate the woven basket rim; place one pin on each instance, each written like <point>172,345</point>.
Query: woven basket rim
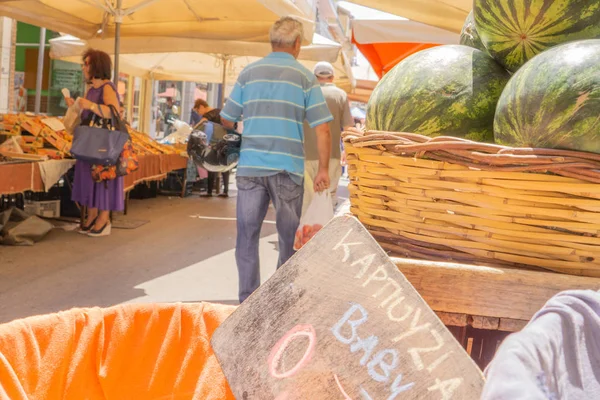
<point>474,155</point>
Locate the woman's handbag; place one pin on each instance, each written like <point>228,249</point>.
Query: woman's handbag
<point>100,145</point>
<point>127,161</point>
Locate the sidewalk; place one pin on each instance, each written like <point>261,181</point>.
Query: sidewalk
<point>185,252</point>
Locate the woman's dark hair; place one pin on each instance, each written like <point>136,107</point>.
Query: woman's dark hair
<point>100,65</point>
<point>200,102</point>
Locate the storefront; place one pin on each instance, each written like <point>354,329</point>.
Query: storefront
<point>58,75</point>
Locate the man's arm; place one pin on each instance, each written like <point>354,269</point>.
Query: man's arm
<point>324,150</point>
<point>232,111</point>
<point>318,117</point>
<point>227,123</point>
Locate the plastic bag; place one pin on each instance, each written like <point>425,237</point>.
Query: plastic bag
<point>317,215</point>
<point>18,228</point>
<point>73,117</point>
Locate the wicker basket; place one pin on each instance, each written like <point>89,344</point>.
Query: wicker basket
<point>450,199</point>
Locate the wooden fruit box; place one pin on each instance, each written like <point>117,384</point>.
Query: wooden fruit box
<point>482,305</point>
<point>55,139</point>
<point>31,125</point>
<point>31,141</point>
<point>51,153</point>
<point>14,131</point>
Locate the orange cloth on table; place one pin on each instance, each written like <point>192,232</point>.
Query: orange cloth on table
<point>133,351</point>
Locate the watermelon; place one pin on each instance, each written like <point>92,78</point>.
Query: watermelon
<point>444,90</point>
<point>553,101</point>
<point>514,31</point>
<point>469,35</point>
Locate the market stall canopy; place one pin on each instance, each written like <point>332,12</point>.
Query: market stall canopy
<point>386,39</point>
<point>445,14</point>
<point>320,48</point>
<point>166,58</point>
<point>246,20</point>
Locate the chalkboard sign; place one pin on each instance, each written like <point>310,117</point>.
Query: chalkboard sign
<point>339,321</point>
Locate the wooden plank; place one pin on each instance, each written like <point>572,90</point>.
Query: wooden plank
<point>23,156</point>
<point>453,319</point>
<point>511,325</point>
<point>339,320</point>
<point>486,291</point>
<point>480,322</point>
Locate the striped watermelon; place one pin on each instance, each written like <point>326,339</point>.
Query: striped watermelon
<point>469,35</point>
<point>553,101</point>
<point>513,31</point>
<point>445,90</point>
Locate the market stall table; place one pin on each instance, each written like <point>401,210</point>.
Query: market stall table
<point>26,176</point>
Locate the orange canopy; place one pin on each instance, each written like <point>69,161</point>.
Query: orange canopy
<point>384,56</point>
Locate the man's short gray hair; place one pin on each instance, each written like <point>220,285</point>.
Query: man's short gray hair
<point>285,32</point>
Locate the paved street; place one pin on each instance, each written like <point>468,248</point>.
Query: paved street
<point>184,253</point>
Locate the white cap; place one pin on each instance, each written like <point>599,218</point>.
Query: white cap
<point>323,69</point>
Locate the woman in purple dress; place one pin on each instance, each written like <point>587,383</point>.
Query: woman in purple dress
<point>100,198</point>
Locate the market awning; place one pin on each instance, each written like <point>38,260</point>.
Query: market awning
<point>182,59</point>
<point>386,39</point>
<point>170,92</point>
<point>445,14</point>
<point>238,20</point>
<point>163,47</point>
<point>246,20</point>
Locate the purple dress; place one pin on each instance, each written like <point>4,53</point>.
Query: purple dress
<point>108,195</point>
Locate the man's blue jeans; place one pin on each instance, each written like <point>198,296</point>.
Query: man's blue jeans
<point>253,199</point>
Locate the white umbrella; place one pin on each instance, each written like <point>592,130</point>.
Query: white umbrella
<point>183,59</point>
<point>374,26</point>
<point>237,20</point>
<point>446,14</point>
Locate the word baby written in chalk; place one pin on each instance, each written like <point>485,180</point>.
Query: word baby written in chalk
<point>406,316</point>
<point>381,364</point>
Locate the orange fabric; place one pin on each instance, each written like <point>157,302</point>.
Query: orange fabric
<point>384,56</point>
<point>137,351</point>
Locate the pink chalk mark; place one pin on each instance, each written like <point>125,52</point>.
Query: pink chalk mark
<point>284,342</point>
<point>346,397</point>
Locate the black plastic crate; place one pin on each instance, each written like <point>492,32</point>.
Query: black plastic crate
<point>173,185</point>
<point>146,190</point>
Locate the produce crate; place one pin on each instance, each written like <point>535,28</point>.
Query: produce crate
<point>450,199</point>
<point>482,305</point>
<point>47,209</point>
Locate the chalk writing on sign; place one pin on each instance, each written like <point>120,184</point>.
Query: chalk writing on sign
<point>278,350</point>
<point>339,321</point>
<point>408,318</point>
<point>379,365</point>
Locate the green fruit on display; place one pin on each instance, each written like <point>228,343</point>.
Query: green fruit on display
<point>469,35</point>
<point>446,90</point>
<point>514,31</point>
<point>553,101</point>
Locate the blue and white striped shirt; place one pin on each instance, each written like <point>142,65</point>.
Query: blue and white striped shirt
<point>275,95</point>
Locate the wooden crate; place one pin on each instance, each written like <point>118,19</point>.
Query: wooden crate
<point>31,125</point>
<point>482,305</point>
<point>55,139</point>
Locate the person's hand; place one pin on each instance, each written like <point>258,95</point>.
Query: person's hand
<point>343,159</point>
<point>321,181</point>
<point>70,101</point>
<point>85,103</point>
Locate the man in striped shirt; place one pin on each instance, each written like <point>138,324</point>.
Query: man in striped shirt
<point>275,95</point>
